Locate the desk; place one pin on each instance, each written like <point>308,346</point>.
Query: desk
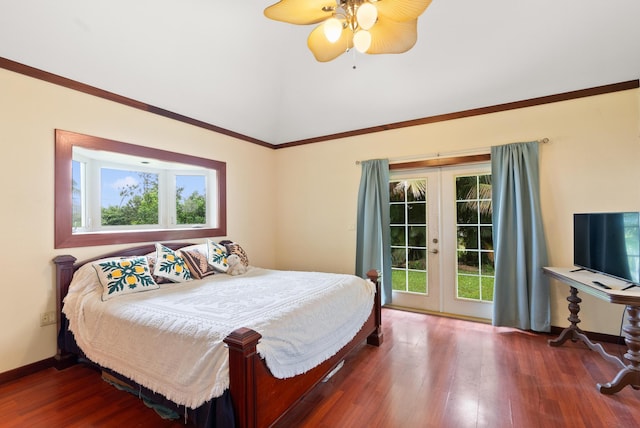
<point>582,280</point>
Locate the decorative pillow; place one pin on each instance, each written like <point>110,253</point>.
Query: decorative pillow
<point>196,258</point>
<point>235,248</point>
<point>151,259</point>
<point>170,265</point>
<point>217,256</point>
<point>124,276</point>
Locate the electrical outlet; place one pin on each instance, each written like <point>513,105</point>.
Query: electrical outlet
<point>47,318</point>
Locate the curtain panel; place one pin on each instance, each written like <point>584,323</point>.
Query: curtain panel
<point>521,290</point>
<point>373,242</point>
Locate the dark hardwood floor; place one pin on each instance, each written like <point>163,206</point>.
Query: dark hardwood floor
<point>430,372</point>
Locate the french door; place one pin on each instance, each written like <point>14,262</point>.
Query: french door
<point>441,240</point>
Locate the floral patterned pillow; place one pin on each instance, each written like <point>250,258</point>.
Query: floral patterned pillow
<point>217,256</point>
<point>170,265</point>
<point>124,276</point>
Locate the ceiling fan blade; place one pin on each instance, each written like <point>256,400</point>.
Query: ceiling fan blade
<point>323,49</point>
<point>402,10</point>
<point>301,12</point>
<point>389,36</point>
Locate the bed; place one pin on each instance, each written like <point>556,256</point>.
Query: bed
<point>255,396</point>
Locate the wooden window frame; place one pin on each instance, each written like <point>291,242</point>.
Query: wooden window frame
<point>64,236</point>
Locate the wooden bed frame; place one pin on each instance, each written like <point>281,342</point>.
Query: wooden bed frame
<point>259,399</point>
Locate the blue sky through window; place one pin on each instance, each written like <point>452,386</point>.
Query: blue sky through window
<point>114,180</point>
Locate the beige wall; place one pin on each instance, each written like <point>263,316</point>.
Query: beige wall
<point>294,208</point>
<point>30,110</point>
<point>590,164</point>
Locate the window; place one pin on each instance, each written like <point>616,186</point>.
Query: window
<point>122,193</point>
<point>408,218</point>
<point>474,255</point>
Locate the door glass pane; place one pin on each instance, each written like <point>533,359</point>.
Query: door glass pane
<point>417,213</point>
<point>467,212</point>
<point>398,236</point>
<point>396,214</point>
<point>396,191</point>
<point>417,236</point>
<point>475,266</point>
<point>408,211</point>
<point>399,258</point>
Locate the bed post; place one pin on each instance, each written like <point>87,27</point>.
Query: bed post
<point>376,337</point>
<point>64,273</point>
<point>242,381</point>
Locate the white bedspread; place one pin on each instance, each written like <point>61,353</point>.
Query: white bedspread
<point>170,339</point>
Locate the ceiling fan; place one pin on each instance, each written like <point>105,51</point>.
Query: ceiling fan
<point>371,26</point>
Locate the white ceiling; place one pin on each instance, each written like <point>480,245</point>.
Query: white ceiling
<point>222,62</point>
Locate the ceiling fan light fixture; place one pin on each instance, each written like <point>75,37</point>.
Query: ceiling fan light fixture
<point>367,15</point>
<point>362,40</point>
<point>332,28</point>
<point>372,26</point>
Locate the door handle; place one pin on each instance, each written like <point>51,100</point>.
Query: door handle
<point>434,251</point>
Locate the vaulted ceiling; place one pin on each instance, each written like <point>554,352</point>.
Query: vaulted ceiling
<point>225,64</point>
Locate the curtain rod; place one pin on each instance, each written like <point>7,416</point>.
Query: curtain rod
<point>478,151</point>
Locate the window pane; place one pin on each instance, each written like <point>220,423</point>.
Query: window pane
<point>485,212</point>
<point>191,202</point>
<point>128,197</point>
<point>468,287</point>
<point>417,213</point>
<point>417,259</point>
<point>466,188</point>
<point>487,266</point>
<point>486,237</point>
<point>487,288</point>
<point>399,258</point>
<point>396,191</point>
<point>417,282</point>
<point>467,237</point>
<point>399,280</point>
<point>397,236</point>
<point>76,195</point>
<point>417,236</point>
<point>416,190</point>
<point>467,213</point>
<point>468,262</point>
<point>396,212</point>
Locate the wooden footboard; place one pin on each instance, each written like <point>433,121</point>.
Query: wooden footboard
<point>259,399</point>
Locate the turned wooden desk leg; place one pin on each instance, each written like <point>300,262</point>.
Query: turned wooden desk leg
<point>572,332</point>
<point>630,375</point>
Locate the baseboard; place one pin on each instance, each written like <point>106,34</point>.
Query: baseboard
<point>593,336</point>
<point>27,370</point>
<point>439,314</point>
<point>555,331</point>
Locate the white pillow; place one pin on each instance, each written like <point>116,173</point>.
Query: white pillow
<point>217,256</point>
<point>170,265</point>
<point>124,276</point>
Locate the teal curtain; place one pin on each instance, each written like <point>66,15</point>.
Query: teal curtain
<point>373,244</point>
<point>521,290</point>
